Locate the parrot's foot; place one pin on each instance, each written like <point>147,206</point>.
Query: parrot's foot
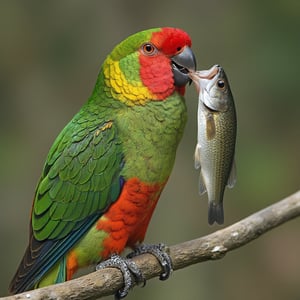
<point>129,269</point>
<point>160,252</point>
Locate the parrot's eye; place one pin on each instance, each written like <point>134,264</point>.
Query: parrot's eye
<point>221,83</point>
<point>148,49</point>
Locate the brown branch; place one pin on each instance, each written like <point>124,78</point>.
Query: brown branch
<point>214,246</point>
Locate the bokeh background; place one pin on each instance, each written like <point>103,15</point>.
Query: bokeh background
<point>50,55</point>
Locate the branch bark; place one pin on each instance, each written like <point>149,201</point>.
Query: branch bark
<point>214,246</point>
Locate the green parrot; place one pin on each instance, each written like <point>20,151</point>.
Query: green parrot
<point>107,168</point>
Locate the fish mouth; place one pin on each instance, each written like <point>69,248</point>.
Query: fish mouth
<point>209,74</point>
<point>203,77</point>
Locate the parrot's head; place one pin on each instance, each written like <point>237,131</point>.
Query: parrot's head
<point>149,65</point>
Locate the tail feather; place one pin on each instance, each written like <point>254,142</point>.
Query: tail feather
<point>41,256</point>
<point>215,213</point>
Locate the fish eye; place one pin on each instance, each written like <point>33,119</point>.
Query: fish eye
<point>221,83</point>
<point>148,49</point>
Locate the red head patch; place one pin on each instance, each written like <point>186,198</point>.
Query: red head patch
<point>171,40</point>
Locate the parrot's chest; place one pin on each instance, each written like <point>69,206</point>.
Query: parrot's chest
<point>150,139</point>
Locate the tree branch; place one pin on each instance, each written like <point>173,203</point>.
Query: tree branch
<point>214,246</point>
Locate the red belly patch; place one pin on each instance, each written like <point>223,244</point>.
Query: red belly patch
<point>127,219</point>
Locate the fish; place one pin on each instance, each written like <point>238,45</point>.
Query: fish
<point>217,129</point>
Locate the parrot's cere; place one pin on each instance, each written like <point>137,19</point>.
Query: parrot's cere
<point>214,153</point>
<point>107,168</point>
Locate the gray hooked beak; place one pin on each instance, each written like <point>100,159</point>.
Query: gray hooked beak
<point>182,64</point>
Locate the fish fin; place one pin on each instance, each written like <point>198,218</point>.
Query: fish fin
<point>215,213</point>
<point>202,187</point>
<point>210,126</point>
<point>197,157</point>
<point>232,176</point>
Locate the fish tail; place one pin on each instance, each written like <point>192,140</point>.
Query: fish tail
<point>215,213</point>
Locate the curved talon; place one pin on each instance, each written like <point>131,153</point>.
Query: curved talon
<point>166,263</point>
<point>160,252</point>
<point>128,268</point>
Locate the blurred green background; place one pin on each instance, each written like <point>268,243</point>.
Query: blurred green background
<point>50,55</point>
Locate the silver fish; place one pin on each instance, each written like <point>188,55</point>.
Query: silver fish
<point>217,125</point>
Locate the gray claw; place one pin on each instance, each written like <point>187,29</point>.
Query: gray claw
<point>159,251</point>
<point>128,268</point>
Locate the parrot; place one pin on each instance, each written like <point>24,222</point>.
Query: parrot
<point>107,168</point>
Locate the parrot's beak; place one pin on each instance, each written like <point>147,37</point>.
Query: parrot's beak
<point>182,64</point>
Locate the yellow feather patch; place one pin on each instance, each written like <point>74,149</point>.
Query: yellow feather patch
<point>121,88</point>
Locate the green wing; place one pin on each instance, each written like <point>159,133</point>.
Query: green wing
<point>80,180</point>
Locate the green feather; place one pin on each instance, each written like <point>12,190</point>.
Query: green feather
<point>39,222</point>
